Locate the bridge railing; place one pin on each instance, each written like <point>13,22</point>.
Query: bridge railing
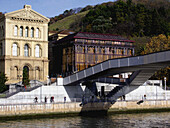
<point>41,99</point>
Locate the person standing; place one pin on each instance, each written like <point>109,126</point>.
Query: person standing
<point>45,99</point>
<point>64,99</point>
<point>36,100</point>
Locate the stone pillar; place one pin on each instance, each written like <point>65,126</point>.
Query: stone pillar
<point>23,31</point>
<point>72,57</point>
<point>18,31</point>
<point>124,51</point>
<point>115,50</point>
<point>86,51</point>
<point>133,53</point>
<point>76,48</point>
<point>96,55</point>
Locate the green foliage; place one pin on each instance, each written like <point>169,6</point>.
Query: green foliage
<point>156,44</point>
<point>88,7</point>
<point>25,79</point>
<point>124,17</point>
<point>101,25</point>
<point>129,18</point>
<point>159,75</point>
<point>3,79</point>
<point>140,44</point>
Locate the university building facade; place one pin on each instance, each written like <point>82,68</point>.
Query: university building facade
<point>82,50</point>
<point>24,44</point>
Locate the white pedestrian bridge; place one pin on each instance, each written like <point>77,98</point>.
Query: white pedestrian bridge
<point>143,67</point>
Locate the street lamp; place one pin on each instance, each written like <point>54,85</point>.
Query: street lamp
<point>35,75</point>
<point>47,80</point>
<point>165,87</point>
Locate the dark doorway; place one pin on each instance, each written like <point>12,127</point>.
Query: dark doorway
<point>25,78</point>
<point>25,71</point>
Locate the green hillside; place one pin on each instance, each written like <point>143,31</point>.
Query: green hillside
<point>67,22</point>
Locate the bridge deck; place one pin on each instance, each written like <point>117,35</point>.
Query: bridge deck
<point>146,65</point>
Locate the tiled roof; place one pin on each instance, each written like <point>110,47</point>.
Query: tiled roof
<point>95,36</point>
<point>98,36</point>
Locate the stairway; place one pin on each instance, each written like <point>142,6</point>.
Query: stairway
<point>114,91</point>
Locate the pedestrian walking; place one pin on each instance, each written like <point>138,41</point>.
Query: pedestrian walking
<point>36,100</point>
<point>64,99</point>
<point>45,99</point>
<point>52,99</point>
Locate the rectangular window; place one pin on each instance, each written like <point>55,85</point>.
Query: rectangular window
<point>14,50</point>
<point>37,51</point>
<point>26,50</point>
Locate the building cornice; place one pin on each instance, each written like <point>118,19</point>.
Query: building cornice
<point>29,40</point>
<point>25,58</point>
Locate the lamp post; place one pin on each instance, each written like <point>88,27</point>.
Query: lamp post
<point>165,87</point>
<point>47,80</point>
<point>35,75</point>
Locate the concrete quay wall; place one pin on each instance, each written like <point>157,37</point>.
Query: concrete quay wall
<point>30,109</point>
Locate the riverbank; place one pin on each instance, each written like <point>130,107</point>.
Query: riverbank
<point>32,111</point>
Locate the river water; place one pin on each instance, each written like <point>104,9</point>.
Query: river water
<point>149,120</point>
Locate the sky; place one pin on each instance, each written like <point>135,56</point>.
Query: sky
<point>48,8</point>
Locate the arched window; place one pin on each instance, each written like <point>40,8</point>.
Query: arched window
<point>21,31</point>
<point>37,33</point>
<point>32,32</point>
<point>37,51</point>
<point>26,50</point>
<point>15,30</point>
<point>26,32</point>
<point>14,49</point>
<point>25,74</point>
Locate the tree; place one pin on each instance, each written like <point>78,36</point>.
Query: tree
<point>159,43</point>
<point>25,79</point>
<point>101,25</point>
<point>3,79</point>
<point>140,44</point>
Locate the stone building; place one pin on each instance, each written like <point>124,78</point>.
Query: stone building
<point>24,44</point>
<point>82,50</point>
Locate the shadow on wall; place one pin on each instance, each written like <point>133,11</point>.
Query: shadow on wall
<point>74,92</point>
<point>93,104</point>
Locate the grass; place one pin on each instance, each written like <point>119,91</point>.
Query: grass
<point>2,95</point>
<point>66,22</point>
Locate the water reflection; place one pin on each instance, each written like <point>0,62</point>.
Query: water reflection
<point>161,120</point>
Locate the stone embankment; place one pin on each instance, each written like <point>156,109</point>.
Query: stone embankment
<point>33,109</point>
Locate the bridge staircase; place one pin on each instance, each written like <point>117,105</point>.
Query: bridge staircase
<point>21,88</point>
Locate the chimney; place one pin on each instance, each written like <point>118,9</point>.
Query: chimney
<point>28,7</point>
